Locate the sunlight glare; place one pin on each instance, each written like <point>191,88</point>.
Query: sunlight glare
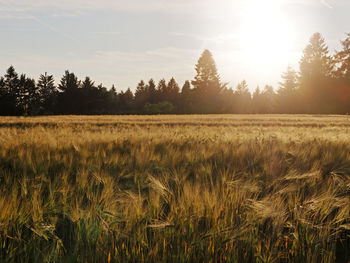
<point>266,36</point>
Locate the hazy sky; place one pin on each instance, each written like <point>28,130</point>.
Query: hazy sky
<point>123,41</point>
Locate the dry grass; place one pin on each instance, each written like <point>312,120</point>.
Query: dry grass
<point>212,188</point>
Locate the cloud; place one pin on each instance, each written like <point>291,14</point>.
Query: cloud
<point>228,41</point>
<point>325,3</point>
<point>219,39</point>
<point>9,10</point>
<point>101,4</point>
<point>195,7</point>
<point>108,33</point>
<point>222,10</point>
<point>14,16</point>
<point>68,14</point>
<point>56,30</point>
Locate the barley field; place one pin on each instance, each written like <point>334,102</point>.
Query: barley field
<point>201,188</point>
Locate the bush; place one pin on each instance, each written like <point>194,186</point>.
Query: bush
<point>164,107</point>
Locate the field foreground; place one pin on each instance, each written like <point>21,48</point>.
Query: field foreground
<point>211,188</point>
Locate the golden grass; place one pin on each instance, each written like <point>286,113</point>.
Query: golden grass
<point>201,188</point>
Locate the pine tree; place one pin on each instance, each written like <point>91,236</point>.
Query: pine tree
<point>316,60</point>
<point>87,84</point>
<point>342,58</point>
<point>207,80</point>
<point>161,90</point>
<point>257,101</point>
<point>90,97</point>
<point>268,98</point>
<point>141,88</point>
<point>47,93</point>
<point>242,98</point>
<point>173,87</point>
<point>126,100</point>
<point>173,91</point>
<point>316,70</point>
<point>207,85</point>
<point>11,93</point>
<point>46,87</point>
<point>186,104</point>
<point>151,91</point>
<point>112,103</point>
<point>69,82</point>
<point>29,99</point>
<point>2,88</point>
<point>287,93</point>
<point>69,100</point>
<point>289,82</point>
<point>141,95</point>
<point>242,88</point>
<point>186,87</point>
<point>342,75</point>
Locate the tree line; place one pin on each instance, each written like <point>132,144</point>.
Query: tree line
<point>322,85</point>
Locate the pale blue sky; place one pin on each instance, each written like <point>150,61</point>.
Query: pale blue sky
<point>123,41</point>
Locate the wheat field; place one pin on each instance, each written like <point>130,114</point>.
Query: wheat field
<point>201,188</point>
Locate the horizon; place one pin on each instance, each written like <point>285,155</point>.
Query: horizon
<point>122,43</point>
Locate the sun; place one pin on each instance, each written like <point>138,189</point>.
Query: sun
<point>266,35</point>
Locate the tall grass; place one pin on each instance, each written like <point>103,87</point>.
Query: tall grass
<point>175,189</point>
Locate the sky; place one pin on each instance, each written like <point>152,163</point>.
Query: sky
<point>121,42</point>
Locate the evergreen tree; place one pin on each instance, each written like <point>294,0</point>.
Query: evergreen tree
<point>207,85</point>
<point>29,100</point>
<point>268,99</point>
<point>316,70</point>
<point>22,99</point>
<point>113,101</point>
<point>342,58</point>
<point>69,82</point>
<point>2,90</point>
<point>257,103</point>
<point>69,99</point>
<point>88,84</point>
<point>161,90</point>
<point>242,98</point>
<point>316,60</point>
<point>151,91</point>
<point>342,75</point>
<point>104,100</point>
<point>289,82</point>
<point>173,87</point>
<point>207,79</point>
<point>89,97</point>
<point>186,104</point>
<point>227,100</point>
<point>10,93</point>
<point>140,89</point>
<point>126,100</point>
<point>242,88</point>
<point>173,92</point>
<point>287,101</point>
<point>47,93</point>
<point>186,87</point>
<point>141,95</point>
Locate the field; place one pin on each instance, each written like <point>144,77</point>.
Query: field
<point>211,188</point>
